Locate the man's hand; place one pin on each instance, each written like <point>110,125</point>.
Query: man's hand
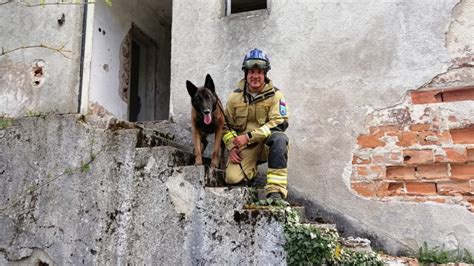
<point>240,140</point>
<point>234,155</point>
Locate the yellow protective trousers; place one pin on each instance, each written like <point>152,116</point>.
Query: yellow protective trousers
<point>274,150</point>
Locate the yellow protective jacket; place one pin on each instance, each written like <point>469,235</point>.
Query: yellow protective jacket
<point>257,117</point>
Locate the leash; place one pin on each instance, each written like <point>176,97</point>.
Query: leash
<point>219,104</point>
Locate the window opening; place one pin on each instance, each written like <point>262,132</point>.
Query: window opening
<point>239,6</point>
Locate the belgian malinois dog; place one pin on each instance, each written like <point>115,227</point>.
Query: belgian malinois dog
<point>206,118</point>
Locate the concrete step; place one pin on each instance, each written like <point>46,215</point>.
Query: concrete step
<point>169,130</point>
<point>152,138</point>
<point>322,225</point>
<point>161,158</point>
<point>251,213</point>
<point>214,177</point>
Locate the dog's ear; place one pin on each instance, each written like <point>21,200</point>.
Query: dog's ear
<point>209,83</point>
<point>191,88</point>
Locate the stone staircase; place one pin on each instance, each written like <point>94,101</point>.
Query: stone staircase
<point>223,222</point>
<point>140,199</point>
<point>226,223</point>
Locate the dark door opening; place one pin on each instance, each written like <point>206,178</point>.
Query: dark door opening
<point>143,77</point>
<point>135,102</point>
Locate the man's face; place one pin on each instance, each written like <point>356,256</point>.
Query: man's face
<point>256,79</point>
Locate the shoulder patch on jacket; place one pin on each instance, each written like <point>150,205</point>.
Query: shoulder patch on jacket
<point>238,90</point>
<point>283,110</point>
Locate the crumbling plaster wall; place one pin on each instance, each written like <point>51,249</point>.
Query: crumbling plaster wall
<point>94,192</point>
<point>337,62</point>
<point>56,87</point>
<point>115,23</point>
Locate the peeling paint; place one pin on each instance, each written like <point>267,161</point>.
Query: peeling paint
<point>458,38</point>
<point>15,98</point>
<point>125,67</point>
<point>97,109</point>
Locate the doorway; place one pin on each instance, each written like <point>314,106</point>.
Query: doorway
<point>141,105</point>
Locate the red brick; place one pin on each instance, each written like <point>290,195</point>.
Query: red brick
<point>381,130</point>
<point>420,188</point>
<point>458,94</point>
<point>379,158</point>
<point>362,170</point>
<point>418,156</point>
<point>360,160</point>
<point>384,189</point>
<point>423,97</point>
<point>463,135</point>
<point>388,158</point>
<point>365,189</point>
<point>401,173</point>
<point>407,138</point>
<point>438,96</point>
<point>462,171</point>
<point>420,127</point>
<point>369,141</point>
<point>435,171</point>
<point>376,168</point>
<point>440,158</point>
<point>470,154</point>
<point>454,187</point>
<point>457,155</point>
<point>434,138</point>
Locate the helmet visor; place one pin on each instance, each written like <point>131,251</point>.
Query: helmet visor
<point>255,63</point>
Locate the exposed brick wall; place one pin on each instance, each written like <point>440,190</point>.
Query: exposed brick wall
<point>413,155</point>
<point>441,95</point>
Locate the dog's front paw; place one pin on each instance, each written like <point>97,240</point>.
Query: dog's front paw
<point>198,162</point>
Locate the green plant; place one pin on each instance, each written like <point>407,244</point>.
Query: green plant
<point>85,168</point>
<point>5,122</point>
<point>441,255</point>
<point>307,244</point>
<point>351,257</point>
<point>31,113</point>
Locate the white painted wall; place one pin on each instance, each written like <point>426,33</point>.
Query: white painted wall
<point>23,26</point>
<point>116,21</point>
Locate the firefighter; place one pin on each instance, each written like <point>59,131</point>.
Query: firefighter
<point>257,117</point>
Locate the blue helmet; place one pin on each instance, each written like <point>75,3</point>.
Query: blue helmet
<point>256,58</point>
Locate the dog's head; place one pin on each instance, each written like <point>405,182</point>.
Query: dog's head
<point>203,99</point>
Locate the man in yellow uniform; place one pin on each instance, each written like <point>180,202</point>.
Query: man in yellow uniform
<point>257,116</point>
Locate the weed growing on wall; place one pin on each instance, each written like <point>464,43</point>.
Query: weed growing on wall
<point>440,255</point>
<point>308,244</point>
<point>5,122</point>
